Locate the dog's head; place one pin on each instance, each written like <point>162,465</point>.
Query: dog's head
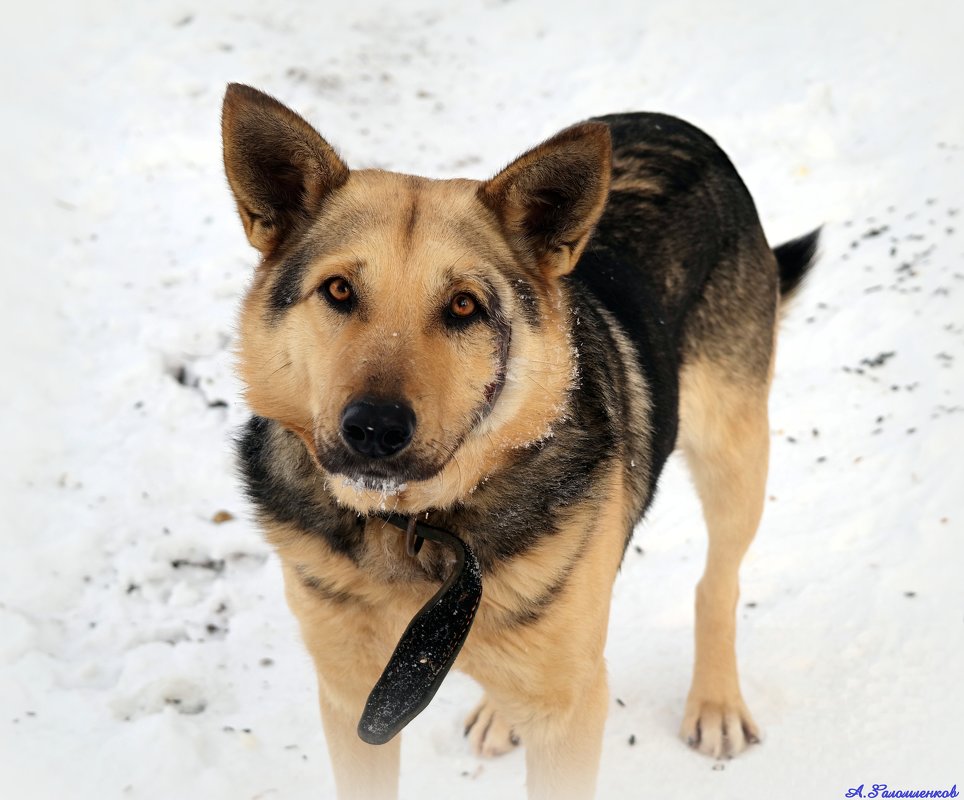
<point>412,332</point>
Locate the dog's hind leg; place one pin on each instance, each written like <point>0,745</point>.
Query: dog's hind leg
<point>488,731</point>
<point>724,434</point>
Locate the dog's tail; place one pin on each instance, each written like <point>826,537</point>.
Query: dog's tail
<point>795,259</point>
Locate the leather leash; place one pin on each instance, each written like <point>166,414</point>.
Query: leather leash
<point>431,642</point>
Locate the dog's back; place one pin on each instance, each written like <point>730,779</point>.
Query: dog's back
<point>680,261</point>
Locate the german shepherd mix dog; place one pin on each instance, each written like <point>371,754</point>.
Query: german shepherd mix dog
<point>512,360</point>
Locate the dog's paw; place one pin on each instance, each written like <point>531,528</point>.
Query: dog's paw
<point>487,731</point>
<point>718,729</point>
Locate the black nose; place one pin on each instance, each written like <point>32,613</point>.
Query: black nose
<point>376,428</point>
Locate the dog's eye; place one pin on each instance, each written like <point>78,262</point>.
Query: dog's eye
<point>463,306</point>
<point>338,292</point>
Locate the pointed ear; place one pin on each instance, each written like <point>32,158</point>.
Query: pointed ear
<point>278,166</point>
<point>549,199</point>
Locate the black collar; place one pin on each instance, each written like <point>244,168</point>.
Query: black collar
<point>431,642</point>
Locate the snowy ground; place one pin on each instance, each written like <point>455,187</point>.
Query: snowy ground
<point>145,650</point>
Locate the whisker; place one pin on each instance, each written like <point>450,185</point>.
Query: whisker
<point>269,359</point>
<point>538,384</point>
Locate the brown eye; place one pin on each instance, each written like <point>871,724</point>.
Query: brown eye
<point>463,306</point>
<point>338,291</point>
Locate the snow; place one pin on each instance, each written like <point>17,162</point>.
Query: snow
<point>146,651</point>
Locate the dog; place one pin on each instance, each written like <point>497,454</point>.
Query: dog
<point>512,361</point>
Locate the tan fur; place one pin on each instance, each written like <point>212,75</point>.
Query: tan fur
<point>407,246</point>
<point>488,731</point>
<point>559,714</point>
<point>724,434</point>
<point>288,379</point>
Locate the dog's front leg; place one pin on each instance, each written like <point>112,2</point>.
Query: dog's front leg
<point>547,676</point>
<point>563,747</point>
<point>349,647</point>
<point>362,771</point>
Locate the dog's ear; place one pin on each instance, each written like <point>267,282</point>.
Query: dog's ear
<point>278,166</point>
<point>549,199</point>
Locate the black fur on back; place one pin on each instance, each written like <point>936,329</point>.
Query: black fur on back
<point>678,218</point>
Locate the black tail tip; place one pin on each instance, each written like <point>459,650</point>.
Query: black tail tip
<point>795,259</point>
